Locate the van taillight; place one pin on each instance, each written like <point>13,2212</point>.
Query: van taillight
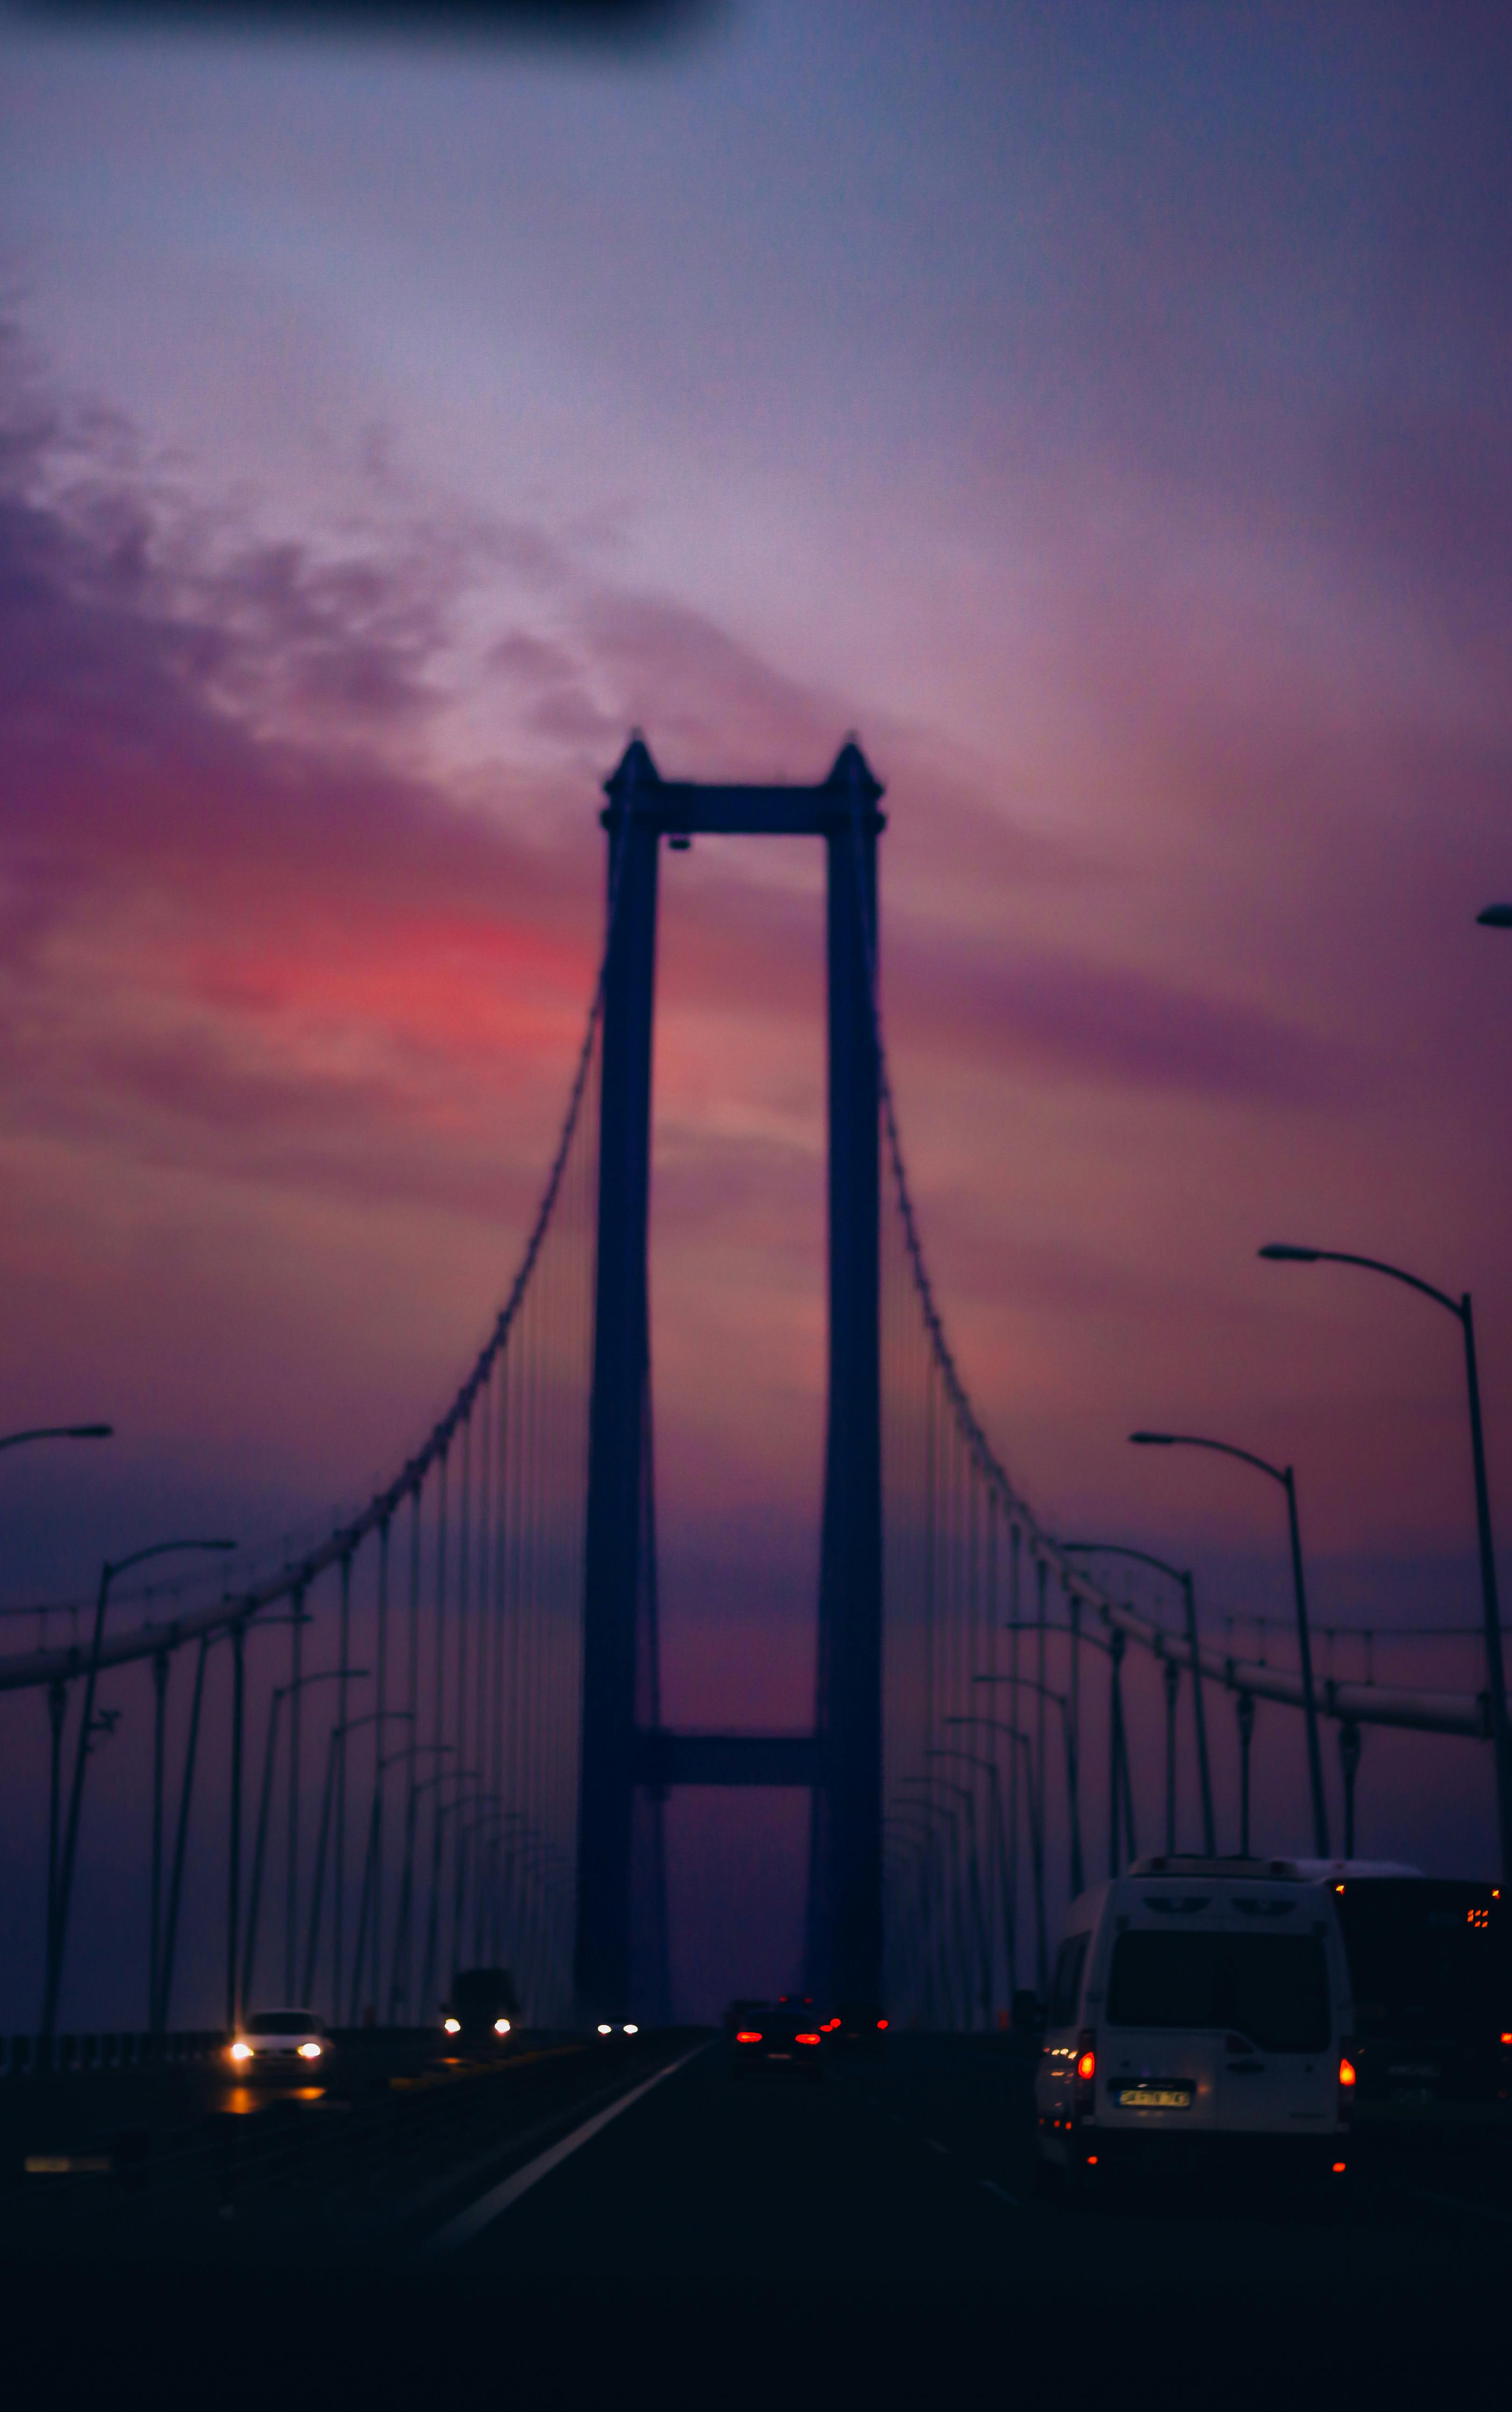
<point>1348,2080</point>
<point>1086,2066</point>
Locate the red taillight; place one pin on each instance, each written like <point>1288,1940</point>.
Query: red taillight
<point>748,2035</point>
<point>1346,2073</point>
<point>1339,2168</point>
<point>1084,2070</point>
<point>1507,2038</point>
<point>806,2038</point>
<point>882,2023</point>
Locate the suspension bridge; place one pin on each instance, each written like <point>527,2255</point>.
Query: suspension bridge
<point>435,1737</point>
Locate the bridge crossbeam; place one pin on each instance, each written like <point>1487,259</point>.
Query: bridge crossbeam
<point>663,1760</point>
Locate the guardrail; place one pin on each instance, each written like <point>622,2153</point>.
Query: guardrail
<point>67,2055</point>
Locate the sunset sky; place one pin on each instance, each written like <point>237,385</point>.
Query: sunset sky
<point>1104,411</point>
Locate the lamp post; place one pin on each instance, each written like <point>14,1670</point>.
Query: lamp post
<point>940,1978</point>
<point>1023,1742</point>
<point>57,1691</point>
<point>1461,1308</point>
<point>337,1747</point>
<point>1179,1575</point>
<point>937,1809</point>
<point>265,1802</point>
<point>58,1909</point>
<point>1286,1476</point>
<point>973,1872</point>
<point>403,1920</point>
<point>984,1931</point>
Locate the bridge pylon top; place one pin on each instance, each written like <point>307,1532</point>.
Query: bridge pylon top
<point>693,807</point>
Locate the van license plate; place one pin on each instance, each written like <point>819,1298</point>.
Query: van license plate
<point>1155,2097</point>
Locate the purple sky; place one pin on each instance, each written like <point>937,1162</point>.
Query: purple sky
<point>1103,409</point>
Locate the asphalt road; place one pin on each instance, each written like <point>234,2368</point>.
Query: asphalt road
<point>915,2173</point>
<point>872,2239</point>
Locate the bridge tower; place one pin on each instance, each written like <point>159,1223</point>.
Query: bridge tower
<point>841,1761</point>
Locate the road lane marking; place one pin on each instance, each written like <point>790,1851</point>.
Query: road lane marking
<point>499,2199</point>
<point>990,2185</point>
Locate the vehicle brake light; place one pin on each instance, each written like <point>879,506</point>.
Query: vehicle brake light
<point>1507,2038</point>
<point>748,2035</point>
<point>1346,2073</point>
<point>1087,2067</point>
<point>806,2038</point>
<point>880,2024</point>
<point>1338,2167</point>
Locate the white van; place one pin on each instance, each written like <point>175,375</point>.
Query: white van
<point>1197,2005</point>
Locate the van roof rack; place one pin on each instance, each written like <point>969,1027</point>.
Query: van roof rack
<point>1197,1863</point>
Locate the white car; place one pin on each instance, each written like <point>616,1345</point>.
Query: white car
<point>1200,2011</point>
<point>282,2043</point>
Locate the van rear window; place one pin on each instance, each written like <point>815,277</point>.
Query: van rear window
<point>1067,1989</point>
<point>1271,1989</point>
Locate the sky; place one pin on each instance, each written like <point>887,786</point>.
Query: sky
<point>1103,410</point>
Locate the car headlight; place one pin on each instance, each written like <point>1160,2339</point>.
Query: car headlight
<point>309,2051</point>
<point>451,2026</point>
<point>632,2030</point>
<point>605,2028</point>
<point>500,2026</point>
<point>240,2051</point>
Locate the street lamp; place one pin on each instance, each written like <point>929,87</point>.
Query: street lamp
<point>58,1908</point>
<point>1285,1476</point>
<point>973,1876</point>
<point>1492,1614</point>
<point>1183,1575</point>
<point>984,1935</point>
<point>280,1693</point>
<point>941,1978</point>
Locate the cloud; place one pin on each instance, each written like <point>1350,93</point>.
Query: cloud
<point>1106,1022</point>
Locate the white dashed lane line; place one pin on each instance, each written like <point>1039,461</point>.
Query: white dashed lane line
<point>499,2199</point>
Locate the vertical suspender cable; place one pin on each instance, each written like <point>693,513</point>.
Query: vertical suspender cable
<point>465,1576</point>
<point>399,1982</point>
<point>233,1874</point>
<point>292,1837</point>
<point>1073,1746</point>
<point>154,1946</point>
<point>433,1906</point>
<point>338,1902</point>
<point>164,1980</point>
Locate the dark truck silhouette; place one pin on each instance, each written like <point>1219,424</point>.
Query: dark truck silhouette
<point>482,2005</point>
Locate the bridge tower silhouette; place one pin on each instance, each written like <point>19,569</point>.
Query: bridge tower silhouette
<point>625,1750</point>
